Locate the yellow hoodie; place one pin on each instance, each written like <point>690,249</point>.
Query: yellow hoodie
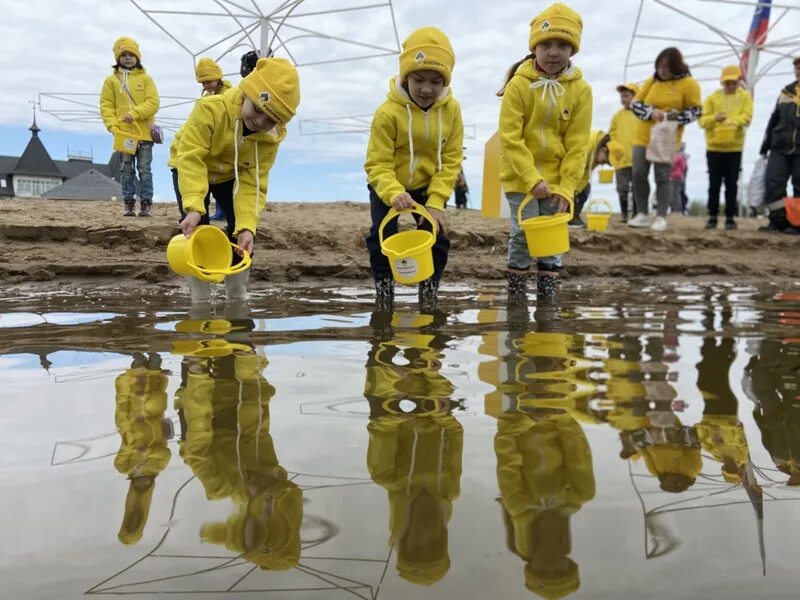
<point>724,438</point>
<point>544,130</point>
<point>173,147</point>
<point>115,102</point>
<point>738,109</point>
<point>410,148</point>
<point>213,149</point>
<point>679,94</point>
<point>623,125</point>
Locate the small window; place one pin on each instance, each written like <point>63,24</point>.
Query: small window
<point>2,182</point>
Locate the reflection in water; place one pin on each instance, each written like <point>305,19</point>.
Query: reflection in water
<point>141,400</point>
<point>223,403</point>
<point>415,443</point>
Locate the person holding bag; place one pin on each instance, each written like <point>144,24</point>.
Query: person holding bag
<point>670,96</point>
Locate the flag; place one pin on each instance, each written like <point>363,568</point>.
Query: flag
<point>757,35</point>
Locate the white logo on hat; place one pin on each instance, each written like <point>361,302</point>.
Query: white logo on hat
<point>264,96</point>
<point>420,56</point>
<point>545,25</point>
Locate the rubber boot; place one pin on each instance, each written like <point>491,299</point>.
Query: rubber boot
<point>130,208</point>
<point>547,285</point>
<point>236,286</point>
<point>200,291</point>
<point>517,287</point>
<point>427,294</point>
<point>384,293</point>
<point>145,208</point>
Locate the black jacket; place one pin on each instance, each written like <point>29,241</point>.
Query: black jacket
<point>783,129</point>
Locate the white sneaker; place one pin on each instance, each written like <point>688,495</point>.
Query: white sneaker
<point>640,220</point>
<point>659,224</point>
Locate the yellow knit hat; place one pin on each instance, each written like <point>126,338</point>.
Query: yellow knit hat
<point>207,70</point>
<point>558,21</point>
<point>731,73</point>
<point>274,87</point>
<point>553,586</point>
<point>126,44</point>
<point>427,48</point>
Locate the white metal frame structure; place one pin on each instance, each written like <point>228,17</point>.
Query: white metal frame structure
<point>723,47</point>
<point>353,124</point>
<point>275,30</point>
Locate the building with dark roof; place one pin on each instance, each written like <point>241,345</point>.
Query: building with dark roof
<point>89,185</point>
<point>35,172</point>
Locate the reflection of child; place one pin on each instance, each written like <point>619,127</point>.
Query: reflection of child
<point>545,118</point>
<point>414,153</point>
<point>141,400</point>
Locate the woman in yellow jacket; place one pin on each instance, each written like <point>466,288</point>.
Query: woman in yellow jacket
<point>414,154</point>
<point>141,400</point>
<point>227,147</point>
<point>209,74</point>
<point>545,475</point>
<point>726,114</point>
<point>672,94</point>
<point>620,147</point>
<point>129,102</point>
<point>545,121</point>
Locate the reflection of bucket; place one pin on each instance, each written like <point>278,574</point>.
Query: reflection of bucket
<point>792,206</point>
<point>724,134</point>
<point>206,255</point>
<point>606,175</point>
<point>409,252</point>
<point>126,142</point>
<point>207,348</point>
<point>597,221</point>
<point>546,235</point>
<point>214,326</point>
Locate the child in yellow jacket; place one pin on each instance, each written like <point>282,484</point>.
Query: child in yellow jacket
<point>597,154</point>
<point>414,153</point>
<point>620,146</point>
<point>129,102</point>
<point>227,147</point>
<point>209,74</point>
<point>545,121</point>
<point>726,114</point>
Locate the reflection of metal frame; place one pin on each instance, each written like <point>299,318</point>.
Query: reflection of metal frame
<point>325,579</point>
<point>353,124</point>
<point>274,29</point>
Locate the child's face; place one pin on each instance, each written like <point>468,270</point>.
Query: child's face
<point>553,55</point>
<point>127,60</point>
<point>212,87</point>
<point>626,97</point>
<point>730,86</point>
<point>425,87</point>
<point>601,156</point>
<point>254,118</point>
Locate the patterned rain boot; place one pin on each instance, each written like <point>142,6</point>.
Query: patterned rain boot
<point>517,287</point>
<point>144,209</point>
<point>384,294</point>
<point>130,208</point>
<point>427,294</point>
<point>547,285</point>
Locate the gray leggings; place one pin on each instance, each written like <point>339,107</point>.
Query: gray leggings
<point>641,185</point>
<point>519,258</point>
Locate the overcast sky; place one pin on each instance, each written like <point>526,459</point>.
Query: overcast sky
<point>70,51</point>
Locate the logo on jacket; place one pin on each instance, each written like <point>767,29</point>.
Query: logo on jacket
<point>565,113</point>
<point>264,97</point>
<point>420,57</point>
<point>545,25</point>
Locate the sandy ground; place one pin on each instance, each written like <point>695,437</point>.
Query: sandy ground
<point>57,242</point>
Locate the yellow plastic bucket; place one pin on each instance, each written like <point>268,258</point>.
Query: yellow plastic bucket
<point>606,175</point>
<point>724,134</point>
<point>206,255</point>
<point>596,221</point>
<point>409,252</point>
<point>546,235</point>
<point>126,141</point>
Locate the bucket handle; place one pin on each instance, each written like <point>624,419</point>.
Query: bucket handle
<point>529,197</point>
<point>598,201</point>
<point>394,213</point>
<point>241,267</point>
<point>117,131</point>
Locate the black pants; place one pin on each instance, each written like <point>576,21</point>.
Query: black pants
<point>723,166</point>
<point>377,260</point>
<point>204,220</point>
<point>581,198</point>
<point>461,197</point>
<point>780,168</point>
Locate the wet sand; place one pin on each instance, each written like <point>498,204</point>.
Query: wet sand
<point>59,242</point>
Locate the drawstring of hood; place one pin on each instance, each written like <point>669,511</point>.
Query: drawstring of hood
<point>549,86</point>
<point>413,463</point>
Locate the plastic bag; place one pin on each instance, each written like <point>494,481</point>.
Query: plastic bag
<point>757,187</point>
<point>663,142</point>
<point>792,206</point>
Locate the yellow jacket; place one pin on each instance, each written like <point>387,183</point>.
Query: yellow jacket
<point>211,141</point>
<point>176,141</point>
<point>738,109</point>
<point>434,137</point>
<point>621,131</point>
<point>544,134</point>
<point>677,94</point>
<point>115,102</point>
<point>594,141</point>
<point>724,438</point>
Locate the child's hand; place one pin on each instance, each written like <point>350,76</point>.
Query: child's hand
<point>403,201</point>
<point>541,190</point>
<point>245,241</point>
<point>440,218</point>
<point>658,115</point>
<point>190,221</point>
<point>563,203</point>
<point>128,118</point>
<point>720,117</point>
